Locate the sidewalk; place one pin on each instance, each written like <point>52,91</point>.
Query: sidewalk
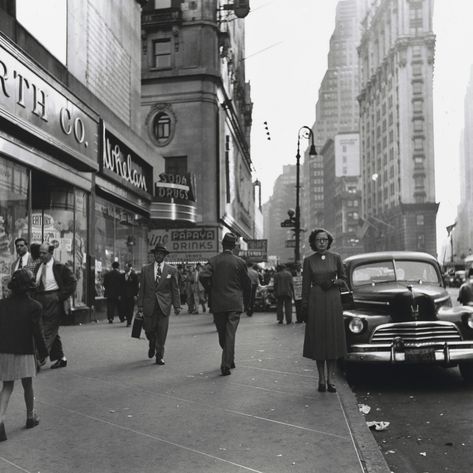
<point>112,410</point>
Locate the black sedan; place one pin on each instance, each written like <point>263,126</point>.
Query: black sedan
<point>397,310</point>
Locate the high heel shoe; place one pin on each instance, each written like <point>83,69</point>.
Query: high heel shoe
<point>32,421</point>
<point>331,388</point>
<point>322,388</point>
<point>3,434</point>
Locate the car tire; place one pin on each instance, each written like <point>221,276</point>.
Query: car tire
<point>466,370</point>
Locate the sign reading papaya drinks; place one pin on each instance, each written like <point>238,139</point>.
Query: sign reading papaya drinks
<point>120,163</point>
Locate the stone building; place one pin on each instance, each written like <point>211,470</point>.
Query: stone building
<point>396,57</point>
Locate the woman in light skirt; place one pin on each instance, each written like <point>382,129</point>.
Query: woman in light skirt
<point>21,334</point>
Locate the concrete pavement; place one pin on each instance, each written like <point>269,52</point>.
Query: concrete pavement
<point>113,410</point>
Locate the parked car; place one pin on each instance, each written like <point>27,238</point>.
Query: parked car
<point>265,299</point>
<point>397,310</point>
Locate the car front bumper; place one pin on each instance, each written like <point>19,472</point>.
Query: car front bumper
<point>435,353</point>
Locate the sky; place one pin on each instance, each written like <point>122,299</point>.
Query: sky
<point>286,59</point>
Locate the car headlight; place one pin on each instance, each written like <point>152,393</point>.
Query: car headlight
<point>469,320</point>
<point>356,325</point>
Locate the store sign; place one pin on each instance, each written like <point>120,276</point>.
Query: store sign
<point>175,188</point>
<point>122,164</point>
<point>35,102</point>
<point>186,244</point>
<point>257,250</point>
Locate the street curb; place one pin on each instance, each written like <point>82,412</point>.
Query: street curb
<point>371,458</point>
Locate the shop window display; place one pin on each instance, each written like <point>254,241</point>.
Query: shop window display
<point>119,236</point>
<point>13,215</point>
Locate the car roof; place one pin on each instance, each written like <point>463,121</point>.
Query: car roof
<point>383,255</point>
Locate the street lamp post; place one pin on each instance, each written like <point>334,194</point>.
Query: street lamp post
<point>304,132</point>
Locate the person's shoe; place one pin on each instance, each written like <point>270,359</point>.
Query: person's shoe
<point>226,371</point>
<point>59,364</point>
<point>110,321</point>
<point>298,321</point>
<point>160,361</point>
<point>122,320</point>
<point>151,351</point>
<point>232,366</point>
<point>32,421</point>
<point>280,322</point>
<point>331,388</point>
<point>3,434</point>
<point>288,323</point>
<point>128,324</point>
<point>322,388</point>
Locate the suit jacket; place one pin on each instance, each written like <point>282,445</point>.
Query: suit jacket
<point>130,286</point>
<point>20,326</point>
<point>166,293</point>
<point>29,264</point>
<point>230,286</point>
<point>64,279</point>
<point>283,284</point>
<point>113,284</point>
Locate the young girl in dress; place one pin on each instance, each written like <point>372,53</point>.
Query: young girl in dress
<point>20,334</point>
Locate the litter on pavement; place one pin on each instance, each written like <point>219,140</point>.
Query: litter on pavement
<point>377,425</point>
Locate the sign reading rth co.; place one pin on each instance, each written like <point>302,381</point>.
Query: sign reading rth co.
<point>186,244</point>
<point>36,102</point>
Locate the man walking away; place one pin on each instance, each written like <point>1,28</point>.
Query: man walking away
<point>465,294</point>
<point>159,291</point>
<point>284,292</point>
<point>130,291</point>
<point>55,283</point>
<point>227,277</point>
<point>113,285</point>
<point>254,278</point>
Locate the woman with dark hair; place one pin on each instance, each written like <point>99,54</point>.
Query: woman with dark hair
<point>20,333</point>
<point>323,273</point>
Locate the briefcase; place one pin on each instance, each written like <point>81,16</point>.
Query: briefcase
<point>137,325</point>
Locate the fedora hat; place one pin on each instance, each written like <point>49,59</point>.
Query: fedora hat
<point>161,248</point>
<point>229,239</point>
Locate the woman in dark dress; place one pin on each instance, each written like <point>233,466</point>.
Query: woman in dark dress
<point>323,274</point>
<point>20,333</point>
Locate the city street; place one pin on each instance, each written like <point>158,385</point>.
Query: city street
<point>113,410</point>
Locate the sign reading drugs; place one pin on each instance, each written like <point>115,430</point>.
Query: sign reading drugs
<point>186,244</point>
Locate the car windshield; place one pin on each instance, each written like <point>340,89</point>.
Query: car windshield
<point>390,271</point>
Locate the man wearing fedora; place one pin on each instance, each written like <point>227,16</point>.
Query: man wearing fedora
<point>159,291</point>
<point>226,276</point>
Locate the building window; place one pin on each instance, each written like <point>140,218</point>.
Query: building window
<point>162,127</point>
<point>417,105</point>
<point>175,165</point>
<point>162,53</point>
<point>420,219</point>
<point>418,144</point>
<point>418,125</point>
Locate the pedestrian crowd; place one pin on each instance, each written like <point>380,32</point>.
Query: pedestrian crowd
<point>41,286</point>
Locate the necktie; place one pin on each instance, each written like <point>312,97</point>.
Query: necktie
<point>158,274</point>
<point>20,263</point>
<point>43,277</point>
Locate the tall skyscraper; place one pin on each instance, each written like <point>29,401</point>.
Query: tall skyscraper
<point>463,233</point>
<point>396,126</point>
<point>337,107</point>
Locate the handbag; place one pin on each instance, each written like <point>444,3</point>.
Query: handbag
<point>137,325</point>
<point>346,296</point>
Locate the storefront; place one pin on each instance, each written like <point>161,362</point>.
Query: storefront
<point>48,156</point>
<point>121,208</point>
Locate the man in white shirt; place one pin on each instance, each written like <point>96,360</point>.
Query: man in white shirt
<point>24,259</point>
<point>55,283</point>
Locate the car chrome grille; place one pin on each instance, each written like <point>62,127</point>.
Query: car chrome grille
<point>419,333</point>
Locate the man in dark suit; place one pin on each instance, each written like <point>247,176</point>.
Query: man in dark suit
<point>24,259</point>
<point>284,292</point>
<point>113,285</point>
<point>159,291</point>
<point>130,291</point>
<point>227,277</point>
<point>55,283</point>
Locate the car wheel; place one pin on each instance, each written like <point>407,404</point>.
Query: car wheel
<point>466,370</point>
